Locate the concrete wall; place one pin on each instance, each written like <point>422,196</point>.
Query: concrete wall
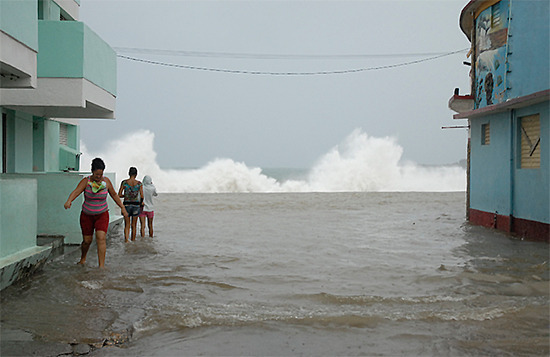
<point>529,48</point>
<point>70,49</point>
<point>22,141</point>
<point>50,217</point>
<point>18,214</point>
<point>497,181</point>
<point>511,54</point>
<point>532,186</point>
<point>24,26</point>
<point>490,165</point>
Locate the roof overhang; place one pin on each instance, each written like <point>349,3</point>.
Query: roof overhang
<point>17,63</point>
<point>470,12</point>
<point>510,104</point>
<point>61,98</point>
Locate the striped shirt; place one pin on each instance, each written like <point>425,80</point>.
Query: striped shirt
<point>95,198</point>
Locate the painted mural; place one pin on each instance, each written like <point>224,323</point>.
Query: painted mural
<point>491,39</point>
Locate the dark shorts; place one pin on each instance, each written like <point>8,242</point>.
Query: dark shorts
<point>133,210</point>
<point>89,222</point>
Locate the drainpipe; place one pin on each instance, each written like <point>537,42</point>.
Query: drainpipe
<point>513,141</point>
<point>468,174</point>
<point>513,121</point>
<point>508,52</point>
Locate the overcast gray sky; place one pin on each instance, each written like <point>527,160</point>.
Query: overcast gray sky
<point>274,120</point>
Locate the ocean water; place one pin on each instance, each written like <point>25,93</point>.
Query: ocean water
<point>311,273</point>
<point>360,163</point>
<point>362,254</point>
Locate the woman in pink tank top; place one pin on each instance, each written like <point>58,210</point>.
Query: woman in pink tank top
<point>95,211</point>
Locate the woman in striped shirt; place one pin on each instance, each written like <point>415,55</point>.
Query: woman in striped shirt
<point>95,211</point>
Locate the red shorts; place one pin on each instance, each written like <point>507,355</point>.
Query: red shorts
<point>99,222</point>
<point>148,214</point>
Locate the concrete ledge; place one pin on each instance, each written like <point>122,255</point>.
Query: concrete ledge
<point>22,264</point>
<point>115,223</point>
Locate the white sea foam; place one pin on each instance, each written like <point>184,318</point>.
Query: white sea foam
<point>359,163</point>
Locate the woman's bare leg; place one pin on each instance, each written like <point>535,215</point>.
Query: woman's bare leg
<point>150,224</point>
<point>86,241</point>
<point>101,241</point>
<point>126,228</point>
<point>142,226</point>
<point>134,228</point>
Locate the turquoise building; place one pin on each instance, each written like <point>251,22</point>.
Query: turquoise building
<point>508,115</point>
<point>53,71</point>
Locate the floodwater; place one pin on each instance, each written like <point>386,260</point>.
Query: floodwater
<point>333,274</point>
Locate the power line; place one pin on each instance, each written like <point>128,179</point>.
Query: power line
<point>238,55</point>
<point>344,71</point>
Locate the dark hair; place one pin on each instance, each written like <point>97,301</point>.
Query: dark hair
<point>132,171</point>
<point>97,164</point>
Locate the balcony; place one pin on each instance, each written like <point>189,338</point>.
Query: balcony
<point>76,75</point>
<point>18,44</point>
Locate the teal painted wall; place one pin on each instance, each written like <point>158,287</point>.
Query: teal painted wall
<point>491,48</point>
<point>33,145</point>
<point>49,155</point>
<point>53,218</point>
<point>23,141</point>
<point>497,181</point>
<point>532,186</point>
<point>69,49</point>
<point>18,215</point>
<point>45,200</point>
<point>490,165</point>
<point>69,155</point>
<point>521,46</point>
<point>48,10</point>
<point>512,55</point>
<point>10,140</point>
<point>529,45</point>
<point>99,61</point>
<point>61,49</point>
<point>51,149</point>
<point>38,145</point>
<point>53,190</point>
<point>24,26</point>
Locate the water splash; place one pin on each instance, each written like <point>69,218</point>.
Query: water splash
<point>360,163</point>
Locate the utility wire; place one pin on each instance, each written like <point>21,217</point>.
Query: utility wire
<point>344,71</point>
<point>238,55</point>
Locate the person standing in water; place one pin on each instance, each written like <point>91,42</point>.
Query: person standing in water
<point>95,211</point>
<point>132,192</point>
<point>149,190</point>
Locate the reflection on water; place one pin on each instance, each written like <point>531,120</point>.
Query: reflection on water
<point>287,274</point>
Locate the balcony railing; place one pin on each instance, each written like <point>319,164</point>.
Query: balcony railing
<point>70,49</point>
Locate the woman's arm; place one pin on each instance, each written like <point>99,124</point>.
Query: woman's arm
<point>121,189</point>
<point>141,194</point>
<point>115,197</point>
<point>76,192</point>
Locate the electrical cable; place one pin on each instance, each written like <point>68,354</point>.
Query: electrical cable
<point>237,55</point>
<point>344,71</point>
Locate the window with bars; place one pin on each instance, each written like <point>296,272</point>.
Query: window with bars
<point>485,134</point>
<point>64,134</point>
<point>530,141</point>
<point>495,15</point>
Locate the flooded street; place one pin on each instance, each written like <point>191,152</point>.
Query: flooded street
<point>296,274</point>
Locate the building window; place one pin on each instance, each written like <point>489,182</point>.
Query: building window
<point>4,144</point>
<point>530,141</point>
<point>495,15</point>
<point>485,134</point>
<point>63,134</point>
